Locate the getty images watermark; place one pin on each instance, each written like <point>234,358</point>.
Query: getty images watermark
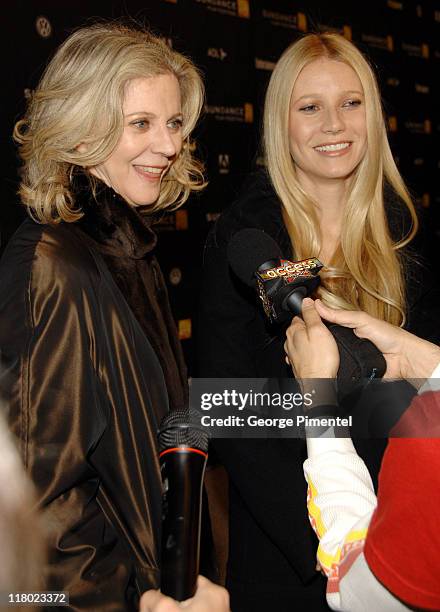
<point>286,408</point>
<point>258,408</point>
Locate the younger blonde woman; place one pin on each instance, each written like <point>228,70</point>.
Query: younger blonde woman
<point>331,190</point>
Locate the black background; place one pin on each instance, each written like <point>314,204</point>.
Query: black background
<point>234,43</point>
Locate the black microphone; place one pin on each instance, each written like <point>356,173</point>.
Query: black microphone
<point>183,451</point>
<point>281,284</point>
<point>256,259</point>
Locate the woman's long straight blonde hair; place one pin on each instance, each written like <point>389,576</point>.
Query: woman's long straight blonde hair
<point>365,272</point>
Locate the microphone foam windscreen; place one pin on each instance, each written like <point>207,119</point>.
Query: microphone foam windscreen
<point>248,249</point>
<point>178,429</point>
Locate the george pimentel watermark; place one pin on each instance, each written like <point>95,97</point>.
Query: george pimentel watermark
<point>257,408</point>
<point>287,408</point>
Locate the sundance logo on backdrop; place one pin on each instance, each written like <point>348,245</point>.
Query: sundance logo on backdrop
<point>344,31</point>
<point>386,43</point>
<point>234,8</point>
<point>419,127</point>
<point>296,21</point>
<point>262,64</point>
<point>416,50</point>
<point>238,114</point>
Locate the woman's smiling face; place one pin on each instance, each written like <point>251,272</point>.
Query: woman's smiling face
<point>150,142</point>
<point>327,122</point>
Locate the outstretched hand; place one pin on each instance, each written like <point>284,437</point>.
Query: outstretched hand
<point>406,355</point>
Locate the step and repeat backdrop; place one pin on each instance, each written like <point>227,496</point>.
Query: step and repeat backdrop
<point>236,43</point>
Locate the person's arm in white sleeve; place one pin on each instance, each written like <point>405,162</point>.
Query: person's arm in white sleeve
<point>341,497</point>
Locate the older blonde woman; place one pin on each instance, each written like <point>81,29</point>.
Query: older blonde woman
<point>90,356</point>
<point>331,190</point>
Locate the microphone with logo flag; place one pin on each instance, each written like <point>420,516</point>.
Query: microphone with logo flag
<point>281,284</point>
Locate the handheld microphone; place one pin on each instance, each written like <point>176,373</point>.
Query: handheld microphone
<point>256,260</point>
<point>281,284</point>
<point>183,451</point>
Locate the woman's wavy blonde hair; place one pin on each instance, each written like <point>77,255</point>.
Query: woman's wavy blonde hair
<point>365,272</point>
<point>79,101</point>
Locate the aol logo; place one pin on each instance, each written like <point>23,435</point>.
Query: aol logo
<point>223,163</point>
<point>217,53</point>
<point>43,26</point>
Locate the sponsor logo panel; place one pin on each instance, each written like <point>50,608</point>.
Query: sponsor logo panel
<point>175,276</point>
<point>393,4</point>
<point>419,127</point>
<point>43,26</point>
<point>294,21</point>
<point>392,123</point>
<point>243,9</point>
<point>386,43</point>
<point>233,8</point>
<point>426,200</point>
<point>223,163</point>
<point>344,30</point>
<point>261,64</point>
<point>415,50</point>
<point>235,114</point>
<point>184,327</point>
<point>173,221</point>
<point>217,53</point>
<point>422,89</point>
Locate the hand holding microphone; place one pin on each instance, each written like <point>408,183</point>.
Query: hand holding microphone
<point>209,597</point>
<point>256,260</point>
<point>406,355</point>
<point>281,284</point>
<point>310,347</point>
<point>183,451</point>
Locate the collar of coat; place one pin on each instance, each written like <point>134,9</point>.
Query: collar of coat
<point>118,228</point>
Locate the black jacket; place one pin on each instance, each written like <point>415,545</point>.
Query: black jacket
<point>85,326</point>
<point>272,554</point>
